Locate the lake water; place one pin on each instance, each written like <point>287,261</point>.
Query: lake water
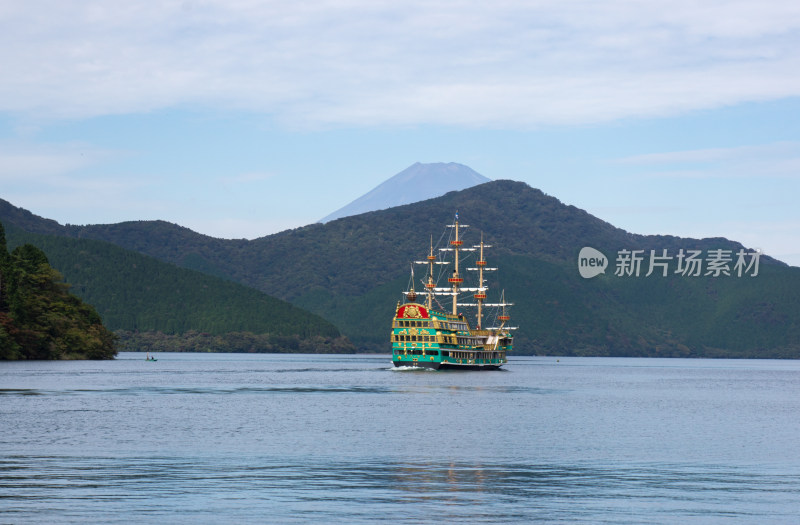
<point>220,438</point>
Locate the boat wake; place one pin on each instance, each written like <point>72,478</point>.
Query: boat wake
<point>411,369</point>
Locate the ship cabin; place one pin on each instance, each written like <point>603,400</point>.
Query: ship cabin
<point>433,339</point>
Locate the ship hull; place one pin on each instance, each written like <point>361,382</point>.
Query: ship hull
<point>423,338</point>
<point>444,366</point>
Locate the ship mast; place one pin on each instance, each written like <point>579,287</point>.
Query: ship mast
<point>430,284</point>
<point>503,317</point>
<point>481,295</point>
<point>411,296</point>
<point>456,279</point>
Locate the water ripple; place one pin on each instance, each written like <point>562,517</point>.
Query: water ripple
<point>303,389</point>
<point>325,489</point>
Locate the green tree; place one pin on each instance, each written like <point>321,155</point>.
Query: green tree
<point>39,318</point>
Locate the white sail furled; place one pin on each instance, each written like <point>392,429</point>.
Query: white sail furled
<point>498,304</point>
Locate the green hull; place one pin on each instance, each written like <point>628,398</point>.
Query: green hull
<point>429,339</point>
<point>400,361</point>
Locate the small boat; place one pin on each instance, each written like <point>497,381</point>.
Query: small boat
<point>150,358</point>
<point>425,335</point>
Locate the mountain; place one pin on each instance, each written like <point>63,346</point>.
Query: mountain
<point>416,183</point>
<point>351,272</point>
<point>139,296</point>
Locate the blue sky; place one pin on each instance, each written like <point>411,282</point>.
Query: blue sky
<point>241,118</point>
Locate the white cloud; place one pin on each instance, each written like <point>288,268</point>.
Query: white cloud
<point>779,149</point>
<point>502,64</point>
<point>67,179</point>
<point>27,161</point>
<point>780,159</point>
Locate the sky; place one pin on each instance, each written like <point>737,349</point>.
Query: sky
<point>242,118</point>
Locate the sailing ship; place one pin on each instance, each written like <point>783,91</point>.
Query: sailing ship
<point>425,335</point>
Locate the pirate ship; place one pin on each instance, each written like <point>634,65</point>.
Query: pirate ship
<point>472,335</point>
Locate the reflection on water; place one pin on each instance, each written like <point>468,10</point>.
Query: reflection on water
<point>344,439</point>
<point>174,489</point>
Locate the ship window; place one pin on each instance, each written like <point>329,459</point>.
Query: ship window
<point>432,352</point>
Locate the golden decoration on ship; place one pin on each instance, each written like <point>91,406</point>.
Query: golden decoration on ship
<point>412,311</point>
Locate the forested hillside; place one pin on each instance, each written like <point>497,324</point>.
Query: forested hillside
<point>39,318</point>
<point>139,296</point>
